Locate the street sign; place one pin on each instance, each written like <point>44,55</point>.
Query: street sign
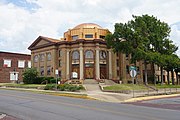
<point>133,73</point>
<point>132,68</point>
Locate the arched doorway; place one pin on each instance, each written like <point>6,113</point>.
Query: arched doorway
<point>89,64</point>
<point>75,65</point>
<point>103,64</point>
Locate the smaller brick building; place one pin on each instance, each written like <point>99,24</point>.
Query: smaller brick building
<point>12,66</point>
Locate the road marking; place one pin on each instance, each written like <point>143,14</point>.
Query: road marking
<point>81,106</point>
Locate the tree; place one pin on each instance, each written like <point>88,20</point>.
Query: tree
<point>29,75</point>
<point>142,37</point>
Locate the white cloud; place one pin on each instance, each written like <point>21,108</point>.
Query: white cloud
<point>175,35</point>
<point>20,27</point>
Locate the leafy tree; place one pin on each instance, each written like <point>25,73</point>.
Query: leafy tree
<point>144,38</point>
<point>29,75</point>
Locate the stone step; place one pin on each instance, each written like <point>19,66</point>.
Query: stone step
<point>90,81</point>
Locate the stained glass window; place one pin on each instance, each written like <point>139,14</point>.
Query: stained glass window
<point>89,54</point>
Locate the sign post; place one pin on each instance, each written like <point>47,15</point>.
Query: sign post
<point>56,73</point>
<point>133,74</point>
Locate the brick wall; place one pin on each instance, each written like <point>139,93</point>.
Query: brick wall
<point>14,57</point>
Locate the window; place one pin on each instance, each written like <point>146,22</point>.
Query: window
<point>49,56</point>
<point>29,64</point>
<point>75,55</point>
<point>102,36</point>
<point>127,56</point>
<point>42,70</point>
<point>60,53</point>
<point>127,69</point>
<point>74,37</point>
<point>60,73</point>
<point>7,63</point>
<point>41,57</point>
<point>138,71</point>
<point>48,70</point>
<point>117,55</point>
<point>21,63</point>
<point>88,36</point>
<point>102,54</point>
<point>35,58</point>
<point>118,73</point>
<point>60,63</point>
<point>89,54</point>
<point>117,63</point>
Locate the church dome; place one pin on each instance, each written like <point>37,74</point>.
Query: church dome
<point>87,25</point>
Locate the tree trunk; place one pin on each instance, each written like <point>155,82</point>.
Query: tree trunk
<point>145,72</point>
<point>172,75</point>
<point>177,78</point>
<point>168,77</point>
<point>154,77</point>
<point>161,75</point>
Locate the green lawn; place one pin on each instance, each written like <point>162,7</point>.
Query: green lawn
<point>159,86</point>
<point>120,87</point>
<point>22,85</point>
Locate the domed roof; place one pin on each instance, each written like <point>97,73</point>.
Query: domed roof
<point>87,25</point>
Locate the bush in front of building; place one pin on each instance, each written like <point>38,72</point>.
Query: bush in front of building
<point>29,75</point>
<point>43,80</point>
<point>64,87</point>
<point>50,87</point>
<point>69,87</point>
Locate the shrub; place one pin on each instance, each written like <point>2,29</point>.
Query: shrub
<point>53,80</point>
<point>69,87</point>
<point>50,87</point>
<point>29,75</point>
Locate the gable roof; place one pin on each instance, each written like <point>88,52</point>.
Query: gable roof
<point>50,41</point>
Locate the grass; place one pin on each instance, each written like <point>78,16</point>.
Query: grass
<point>13,86</point>
<point>121,87</point>
<point>159,86</point>
<point>33,86</point>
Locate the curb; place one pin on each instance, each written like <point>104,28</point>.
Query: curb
<point>150,98</point>
<point>55,93</point>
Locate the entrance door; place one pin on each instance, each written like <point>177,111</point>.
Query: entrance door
<point>75,68</point>
<point>89,71</point>
<point>103,71</point>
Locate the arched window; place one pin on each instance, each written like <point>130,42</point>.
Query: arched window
<point>49,56</point>
<point>75,55</point>
<point>89,54</point>
<point>35,58</point>
<point>102,54</point>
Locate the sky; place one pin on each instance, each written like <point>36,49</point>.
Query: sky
<point>22,21</point>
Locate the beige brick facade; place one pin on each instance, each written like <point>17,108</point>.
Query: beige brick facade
<point>83,50</point>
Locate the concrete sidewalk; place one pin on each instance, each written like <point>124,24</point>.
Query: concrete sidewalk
<point>94,91</point>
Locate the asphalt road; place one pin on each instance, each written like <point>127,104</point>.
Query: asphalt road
<point>166,103</point>
<point>33,106</point>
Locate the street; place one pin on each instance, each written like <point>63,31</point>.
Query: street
<point>34,106</point>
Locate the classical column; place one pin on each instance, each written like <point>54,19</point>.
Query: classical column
<point>81,63</point>
<point>54,60</point>
<point>97,63</point>
<point>45,64</point>
<point>67,65</point>
<point>110,65</point>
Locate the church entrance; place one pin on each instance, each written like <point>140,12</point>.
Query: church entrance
<point>89,71</point>
<point>103,71</point>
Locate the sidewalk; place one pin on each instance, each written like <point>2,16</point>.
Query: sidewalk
<point>94,91</point>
